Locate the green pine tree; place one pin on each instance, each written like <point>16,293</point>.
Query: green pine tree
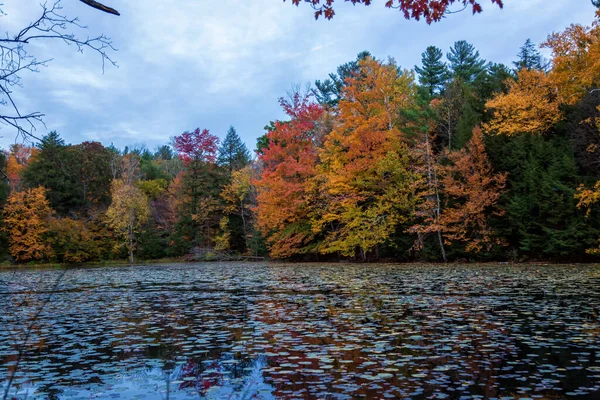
<point>233,153</point>
<point>434,73</point>
<point>465,62</point>
<point>529,57</point>
<point>542,220</point>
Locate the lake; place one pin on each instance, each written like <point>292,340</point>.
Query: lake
<point>320,331</point>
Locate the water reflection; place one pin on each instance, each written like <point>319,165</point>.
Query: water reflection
<point>303,331</point>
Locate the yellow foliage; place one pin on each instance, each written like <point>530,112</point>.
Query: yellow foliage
<point>364,180</point>
<point>530,106</point>
<point>26,218</point>
<point>575,60</point>
<point>127,213</point>
<point>587,198</point>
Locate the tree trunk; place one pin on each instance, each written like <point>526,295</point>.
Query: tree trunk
<point>442,246</point>
<point>131,260</point>
<point>244,224</point>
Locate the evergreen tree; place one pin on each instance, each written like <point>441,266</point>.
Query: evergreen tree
<point>233,153</point>
<point>529,57</point>
<point>56,169</point>
<point>434,72</point>
<point>329,91</point>
<point>542,219</point>
<point>465,62</point>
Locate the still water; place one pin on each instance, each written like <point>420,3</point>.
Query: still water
<point>320,331</point>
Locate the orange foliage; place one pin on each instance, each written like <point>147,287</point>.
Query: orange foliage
<point>365,181</point>
<point>576,60</point>
<point>587,198</point>
<point>26,218</point>
<point>284,186</point>
<point>530,106</point>
<point>472,191</point>
<point>18,158</point>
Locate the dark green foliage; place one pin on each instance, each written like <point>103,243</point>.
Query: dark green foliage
<point>182,240</point>
<point>165,153</point>
<point>465,62</point>
<point>434,73</point>
<point>529,57</point>
<point>328,92</point>
<point>542,220</point>
<point>56,169</point>
<point>200,213</point>
<point>233,153</point>
<point>95,174</point>
<point>152,242</point>
<point>262,142</point>
<point>469,119</point>
<point>580,125</point>
<point>489,83</point>
<point>237,241</point>
<point>76,177</point>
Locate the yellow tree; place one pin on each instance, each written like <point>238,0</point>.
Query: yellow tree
<point>365,183</point>
<point>530,106</point>
<point>472,191</point>
<point>587,198</point>
<point>26,218</point>
<point>575,60</point>
<point>240,197</point>
<point>127,213</point>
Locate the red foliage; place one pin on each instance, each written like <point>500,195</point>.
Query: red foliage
<point>197,146</point>
<point>430,10</point>
<point>288,167</point>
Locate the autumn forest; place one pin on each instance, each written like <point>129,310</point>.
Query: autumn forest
<point>458,159</point>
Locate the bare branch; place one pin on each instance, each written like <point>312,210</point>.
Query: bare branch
<point>15,58</point>
<point>100,7</point>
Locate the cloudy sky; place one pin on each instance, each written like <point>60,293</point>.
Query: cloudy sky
<point>211,64</point>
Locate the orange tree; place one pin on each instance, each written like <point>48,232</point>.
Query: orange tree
<point>285,196</point>
<point>26,218</point>
<point>364,174</point>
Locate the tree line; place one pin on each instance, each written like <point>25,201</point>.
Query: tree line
<point>460,158</point>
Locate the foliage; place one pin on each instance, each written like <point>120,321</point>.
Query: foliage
<point>198,145</point>
<point>364,173</point>
<point>575,55</point>
<point>429,10</point>
<point>329,91</point>
<point>200,185</point>
<point>283,200</point>
<point>434,73</point>
<point>530,105</point>
<point>529,57</point>
<point>465,62</point>
<point>26,218</point>
<point>127,213</point>
<point>587,198</point>
<point>472,191</point>
<point>233,153</point>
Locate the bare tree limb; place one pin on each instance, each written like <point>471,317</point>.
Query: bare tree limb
<point>100,7</point>
<point>15,58</point>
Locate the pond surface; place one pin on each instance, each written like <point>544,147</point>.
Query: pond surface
<point>335,331</point>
